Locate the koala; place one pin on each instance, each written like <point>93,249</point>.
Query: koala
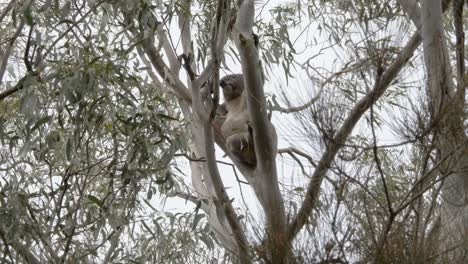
<point>236,128</point>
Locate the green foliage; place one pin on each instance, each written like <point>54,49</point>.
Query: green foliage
<point>89,140</point>
<point>86,141</point>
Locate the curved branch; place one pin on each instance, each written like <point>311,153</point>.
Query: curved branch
<point>211,173</point>
<point>187,197</point>
<point>277,107</point>
<point>220,190</point>
<point>292,150</point>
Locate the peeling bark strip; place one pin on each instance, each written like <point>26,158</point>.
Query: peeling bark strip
<point>313,190</point>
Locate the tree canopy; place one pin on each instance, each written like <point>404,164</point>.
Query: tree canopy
<point>109,109</point>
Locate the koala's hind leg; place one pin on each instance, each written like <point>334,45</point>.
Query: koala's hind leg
<point>242,147</point>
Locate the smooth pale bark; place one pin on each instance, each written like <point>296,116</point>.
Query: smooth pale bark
<point>205,178</point>
<point>264,177</point>
<point>205,175</point>
<point>449,136</point>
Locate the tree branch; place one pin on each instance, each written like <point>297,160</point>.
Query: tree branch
<point>19,85</point>
<point>201,112</point>
<point>6,10</point>
<point>158,63</point>
<point>215,177</point>
<point>265,182</point>
<point>223,197</point>
<point>277,107</point>
<point>301,153</point>
<point>313,190</point>
<point>262,132</point>
<point>460,48</point>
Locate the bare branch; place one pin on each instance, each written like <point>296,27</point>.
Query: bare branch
<point>379,165</point>
<point>7,9</point>
<point>148,64</point>
<point>174,63</point>
<point>301,153</point>
<point>262,132</point>
<point>223,197</point>
<point>27,61</point>
<point>204,75</point>
<point>187,197</point>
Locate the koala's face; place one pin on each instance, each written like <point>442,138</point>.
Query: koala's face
<point>232,85</point>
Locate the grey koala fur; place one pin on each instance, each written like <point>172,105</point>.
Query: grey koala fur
<point>236,129</point>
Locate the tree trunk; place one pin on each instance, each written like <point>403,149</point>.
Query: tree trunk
<point>449,135</point>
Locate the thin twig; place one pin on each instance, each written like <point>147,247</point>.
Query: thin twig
<point>346,69</point>
<point>6,10</point>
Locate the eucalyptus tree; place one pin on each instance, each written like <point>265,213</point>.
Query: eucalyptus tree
<point>85,144</point>
<point>378,62</point>
<point>102,100</point>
